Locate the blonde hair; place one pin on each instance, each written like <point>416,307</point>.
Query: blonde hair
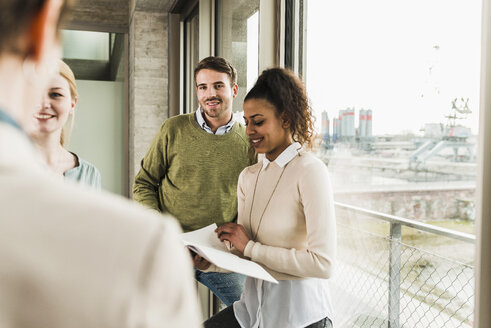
<point>67,74</point>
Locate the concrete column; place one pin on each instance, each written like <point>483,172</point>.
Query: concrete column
<point>148,82</point>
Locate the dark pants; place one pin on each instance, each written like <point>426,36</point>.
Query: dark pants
<point>226,319</point>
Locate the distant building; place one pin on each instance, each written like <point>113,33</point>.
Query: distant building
<point>343,127</point>
<point>325,130</point>
<point>335,129</point>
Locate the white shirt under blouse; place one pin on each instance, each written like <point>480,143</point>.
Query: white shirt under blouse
<point>286,206</point>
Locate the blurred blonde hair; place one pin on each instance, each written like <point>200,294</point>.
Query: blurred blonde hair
<point>67,74</point>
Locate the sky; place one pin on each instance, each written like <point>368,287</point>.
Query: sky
<point>405,60</point>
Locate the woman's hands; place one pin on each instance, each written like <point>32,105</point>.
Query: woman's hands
<point>235,234</point>
<point>231,232</point>
<point>199,262</point>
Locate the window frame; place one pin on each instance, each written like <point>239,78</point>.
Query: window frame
<point>482,317</point>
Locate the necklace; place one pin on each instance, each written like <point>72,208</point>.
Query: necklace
<point>254,236</point>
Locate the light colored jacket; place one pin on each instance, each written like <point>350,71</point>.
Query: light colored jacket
<point>73,258</point>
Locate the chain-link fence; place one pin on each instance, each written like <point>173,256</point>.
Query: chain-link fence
<point>384,282</point>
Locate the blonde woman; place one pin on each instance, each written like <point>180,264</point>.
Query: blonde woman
<point>56,109</point>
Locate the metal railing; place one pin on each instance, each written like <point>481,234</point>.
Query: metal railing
<point>383,282</point>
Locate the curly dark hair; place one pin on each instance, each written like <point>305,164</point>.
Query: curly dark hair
<point>286,92</point>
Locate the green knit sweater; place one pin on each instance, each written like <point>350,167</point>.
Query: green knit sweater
<point>193,174</point>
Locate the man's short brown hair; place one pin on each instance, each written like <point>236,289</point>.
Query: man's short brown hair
<point>218,64</point>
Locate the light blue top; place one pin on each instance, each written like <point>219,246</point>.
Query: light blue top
<point>84,173</point>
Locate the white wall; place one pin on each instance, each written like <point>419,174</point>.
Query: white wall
<point>97,134</point>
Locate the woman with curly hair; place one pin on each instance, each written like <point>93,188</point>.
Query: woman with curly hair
<point>286,219</point>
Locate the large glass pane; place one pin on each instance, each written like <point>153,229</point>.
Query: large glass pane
<point>94,55</point>
<point>395,89</point>
<point>85,45</point>
<point>192,58</point>
<point>237,39</point>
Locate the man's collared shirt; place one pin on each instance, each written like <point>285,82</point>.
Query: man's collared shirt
<point>220,131</point>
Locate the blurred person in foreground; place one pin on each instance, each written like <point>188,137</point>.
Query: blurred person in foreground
<point>51,131</point>
<point>69,257</point>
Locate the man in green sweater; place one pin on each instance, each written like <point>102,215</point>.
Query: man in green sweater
<point>193,164</point>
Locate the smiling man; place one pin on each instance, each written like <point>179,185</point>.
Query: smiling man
<point>193,164</point>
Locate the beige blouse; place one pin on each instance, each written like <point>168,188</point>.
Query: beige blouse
<point>287,210</point>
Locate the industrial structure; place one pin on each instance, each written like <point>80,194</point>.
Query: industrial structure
<point>438,137</point>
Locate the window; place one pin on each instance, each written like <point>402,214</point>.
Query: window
<point>191,26</point>
<point>237,39</point>
<point>395,89</point>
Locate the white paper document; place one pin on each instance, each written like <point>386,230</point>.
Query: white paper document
<point>205,242</point>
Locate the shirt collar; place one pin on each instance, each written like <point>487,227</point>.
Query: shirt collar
<point>285,157</point>
<point>220,131</point>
